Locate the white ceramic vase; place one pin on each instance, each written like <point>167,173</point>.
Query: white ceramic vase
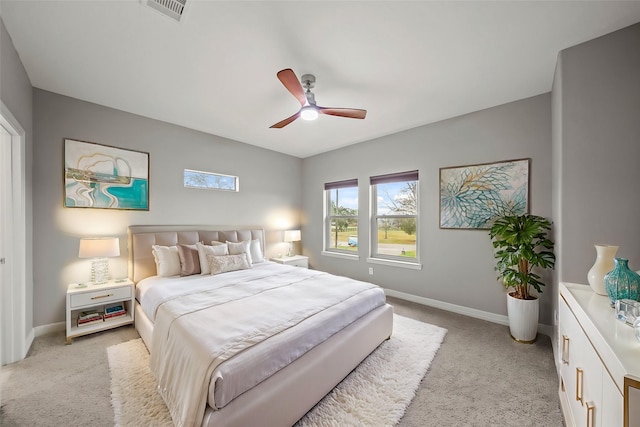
<point>523,318</point>
<point>604,264</point>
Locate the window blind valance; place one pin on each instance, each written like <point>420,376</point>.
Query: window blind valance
<point>341,184</point>
<point>394,177</point>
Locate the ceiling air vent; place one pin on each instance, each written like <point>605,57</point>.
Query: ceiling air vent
<point>170,8</point>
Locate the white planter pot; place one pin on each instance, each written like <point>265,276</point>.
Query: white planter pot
<point>523,318</point>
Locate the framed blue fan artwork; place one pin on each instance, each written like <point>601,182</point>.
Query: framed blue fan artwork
<point>105,177</point>
<point>472,196</point>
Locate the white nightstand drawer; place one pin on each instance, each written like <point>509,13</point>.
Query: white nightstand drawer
<point>100,296</point>
<point>299,263</point>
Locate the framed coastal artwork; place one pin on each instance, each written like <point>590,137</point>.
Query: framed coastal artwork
<point>472,196</point>
<point>105,177</point>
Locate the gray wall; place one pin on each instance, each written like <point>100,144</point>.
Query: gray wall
<point>457,264</point>
<point>594,158</point>
<point>270,191</point>
<point>16,94</point>
<point>596,139</point>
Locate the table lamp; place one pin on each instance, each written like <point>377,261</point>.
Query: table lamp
<point>99,248</point>
<point>291,236</point>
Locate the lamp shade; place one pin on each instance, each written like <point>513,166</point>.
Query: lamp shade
<point>99,247</point>
<point>292,236</point>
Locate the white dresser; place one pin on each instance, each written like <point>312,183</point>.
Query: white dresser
<point>599,362</point>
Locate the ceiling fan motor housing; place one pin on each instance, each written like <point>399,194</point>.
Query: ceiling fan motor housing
<point>311,98</point>
<point>309,82</point>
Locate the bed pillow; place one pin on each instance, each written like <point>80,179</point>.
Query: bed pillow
<point>237,248</point>
<point>226,263</point>
<point>256,252</point>
<point>167,260</point>
<point>218,249</point>
<point>189,260</point>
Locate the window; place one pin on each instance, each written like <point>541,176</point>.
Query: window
<point>211,181</point>
<point>341,218</point>
<point>395,216</point>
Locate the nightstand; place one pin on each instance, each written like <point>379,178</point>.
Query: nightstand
<point>96,298</point>
<point>295,261</point>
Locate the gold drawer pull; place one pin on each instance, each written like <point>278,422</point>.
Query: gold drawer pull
<point>565,349</point>
<point>590,408</point>
<point>579,387</point>
<point>102,296</point>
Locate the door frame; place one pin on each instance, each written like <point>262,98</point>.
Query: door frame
<point>16,345</point>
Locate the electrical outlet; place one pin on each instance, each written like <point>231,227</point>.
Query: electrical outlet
<point>371,271</point>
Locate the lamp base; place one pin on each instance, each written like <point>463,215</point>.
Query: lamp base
<point>99,270</point>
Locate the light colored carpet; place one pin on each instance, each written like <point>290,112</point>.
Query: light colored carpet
<point>376,393</point>
<point>480,377</point>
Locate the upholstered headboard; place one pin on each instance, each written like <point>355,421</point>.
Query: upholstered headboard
<point>142,237</point>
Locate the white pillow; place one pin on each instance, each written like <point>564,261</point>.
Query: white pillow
<point>237,248</point>
<point>256,252</point>
<point>203,250</point>
<point>226,263</point>
<point>167,260</point>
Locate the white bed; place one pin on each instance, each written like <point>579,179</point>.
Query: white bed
<point>324,341</point>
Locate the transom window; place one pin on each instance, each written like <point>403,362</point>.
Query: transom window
<point>341,218</point>
<point>210,181</point>
<point>394,224</point>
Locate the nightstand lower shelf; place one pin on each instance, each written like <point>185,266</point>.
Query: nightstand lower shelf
<point>78,331</point>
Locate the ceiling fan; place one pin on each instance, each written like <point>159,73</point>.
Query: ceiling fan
<point>309,110</point>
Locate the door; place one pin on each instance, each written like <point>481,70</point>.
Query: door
<point>15,339</point>
<point>6,294</point>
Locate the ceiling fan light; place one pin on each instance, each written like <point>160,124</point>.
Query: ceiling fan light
<point>309,112</point>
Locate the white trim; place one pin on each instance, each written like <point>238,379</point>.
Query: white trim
<point>50,328</point>
<point>350,257</point>
<point>466,311</point>
<point>327,217</point>
<point>236,181</point>
<point>376,257</point>
<point>394,263</point>
<point>21,338</point>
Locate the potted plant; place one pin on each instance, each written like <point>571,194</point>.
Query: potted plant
<point>521,244</point>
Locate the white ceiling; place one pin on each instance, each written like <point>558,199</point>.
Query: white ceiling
<point>407,63</point>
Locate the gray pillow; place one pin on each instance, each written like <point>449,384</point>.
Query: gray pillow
<point>189,260</point>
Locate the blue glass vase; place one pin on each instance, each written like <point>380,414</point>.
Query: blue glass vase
<point>622,282</point>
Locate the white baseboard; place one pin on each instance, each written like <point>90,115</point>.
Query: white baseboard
<point>471,312</point>
<point>47,329</point>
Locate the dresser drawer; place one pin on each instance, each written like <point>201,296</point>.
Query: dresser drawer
<point>100,296</point>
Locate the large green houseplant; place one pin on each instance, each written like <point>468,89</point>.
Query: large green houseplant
<point>521,244</point>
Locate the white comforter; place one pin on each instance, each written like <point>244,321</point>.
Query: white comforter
<point>240,328</point>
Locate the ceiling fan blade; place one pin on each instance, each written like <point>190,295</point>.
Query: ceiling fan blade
<point>291,82</point>
<point>352,113</point>
<point>286,121</point>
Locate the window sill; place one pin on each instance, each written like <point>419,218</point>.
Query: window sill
<point>341,255</point>
<point>393,263</point>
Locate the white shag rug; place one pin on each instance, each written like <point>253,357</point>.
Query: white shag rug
<point>376,393</point>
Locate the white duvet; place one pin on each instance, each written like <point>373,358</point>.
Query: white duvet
<point>215,337</point>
